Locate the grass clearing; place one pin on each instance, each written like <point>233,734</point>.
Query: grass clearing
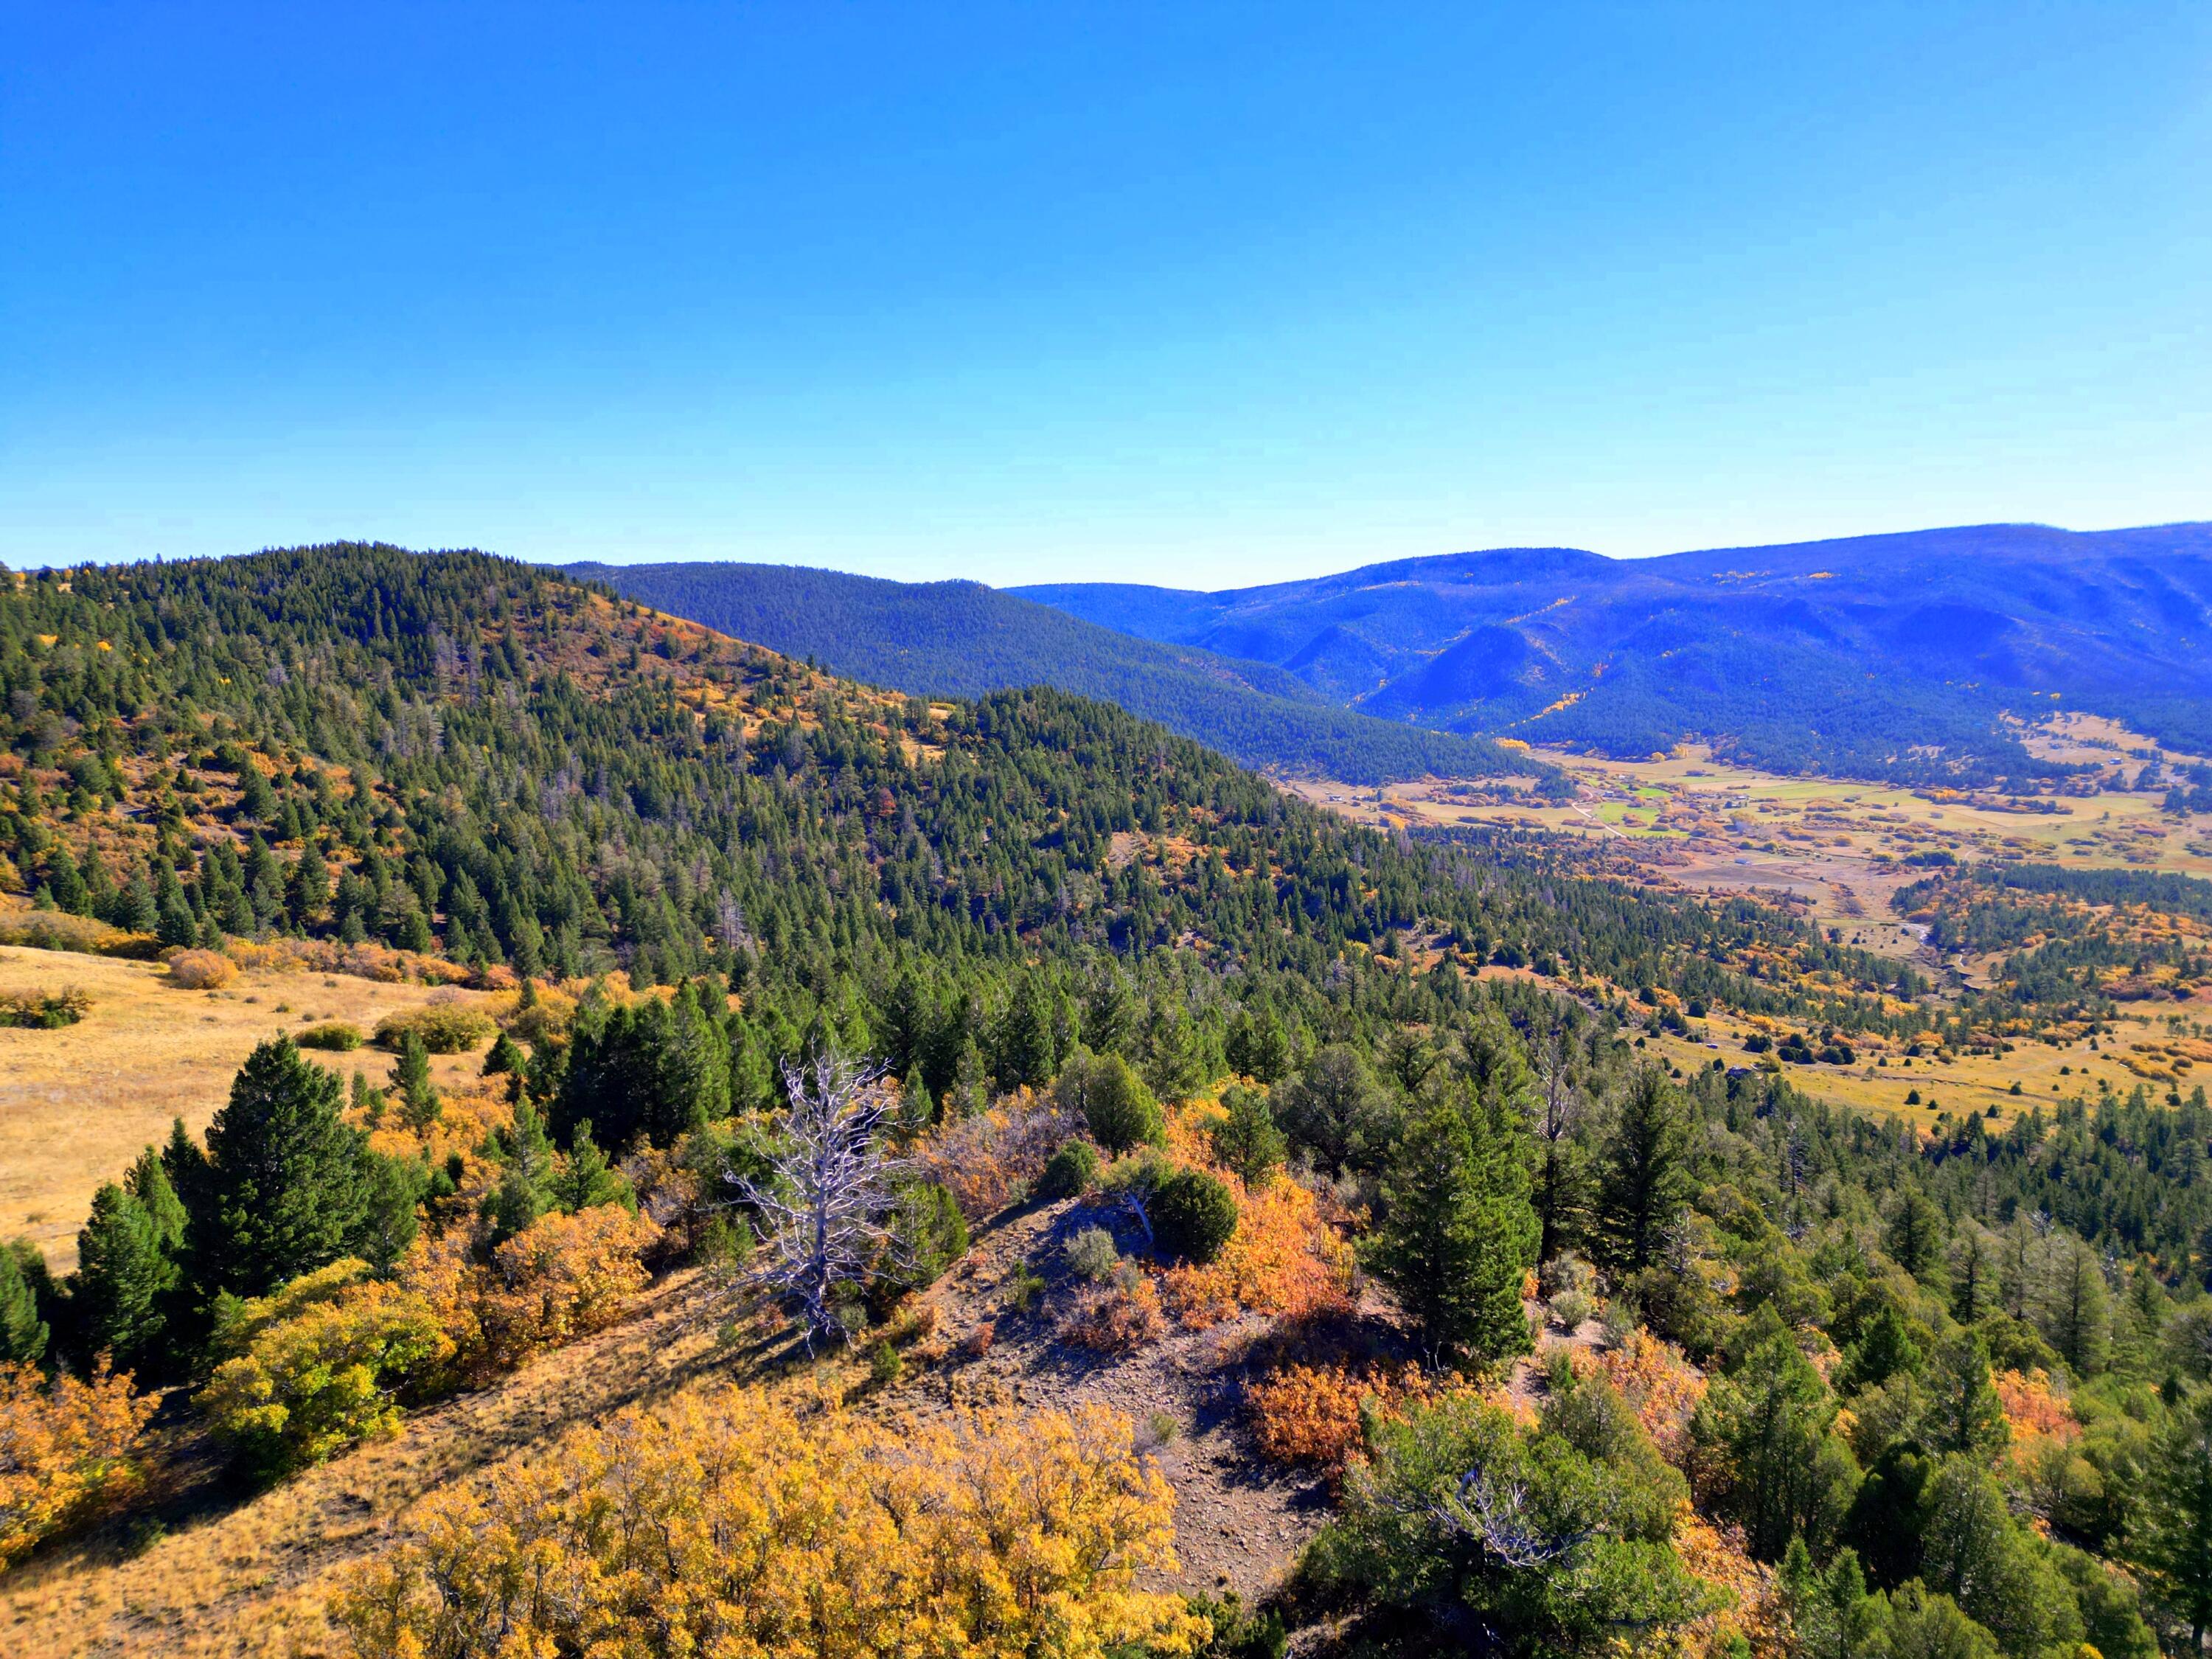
<point>77,1104</point>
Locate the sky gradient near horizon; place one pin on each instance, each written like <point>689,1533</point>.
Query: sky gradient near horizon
<point>1199,295</point>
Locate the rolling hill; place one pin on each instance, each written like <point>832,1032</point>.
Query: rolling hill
<point>962,639</point>
<point>1895,655</point>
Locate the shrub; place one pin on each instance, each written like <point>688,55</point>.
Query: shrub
<point>989,1161</point>
<point>336,1035</point>
<point>929,1235</point>
<point>64,1450</point>
<point>1115,1317</point>
<point>1193,1215</point>
<point>1311,1415</point>
<point>446,1027</point>
<point>563,1277</point>
<point>43,1010</point>
<point>1091,1254</point>
<point>317,1366</point>
<point>1285,1258</point>
<point>1069,1172</point>
<point>200,970</point>
<point>934,1536</point>
<point>1114,1103</point>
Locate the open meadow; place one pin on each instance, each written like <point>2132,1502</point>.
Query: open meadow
<point>77,1102</point>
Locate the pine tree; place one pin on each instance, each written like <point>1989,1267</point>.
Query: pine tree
<point>1914,1236</point>
<point>2172,1538</point>
<point>1246,1139</point>
<point>22,1332</point>
<point>119,1294</point>
<point>1964,1413</point>
<point>419,1104</point>
<point>1459,1235</point>
<point>150,1185</point>
<point>284,1186</point>
<point>584,1178</point>
<point>1645,1179</point>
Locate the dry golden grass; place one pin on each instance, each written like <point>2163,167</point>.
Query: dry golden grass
<point>77,1103</point>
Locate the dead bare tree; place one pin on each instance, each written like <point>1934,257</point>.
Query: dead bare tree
<point>822,1209</point>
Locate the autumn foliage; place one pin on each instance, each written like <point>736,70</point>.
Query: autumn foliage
<point>1310,1414</point>
<point>726,1524</point>
<point>64,1450</point>
<point>319,1365</point>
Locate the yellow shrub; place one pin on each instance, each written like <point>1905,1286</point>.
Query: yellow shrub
<point>446,1027</point>
<point>563,1277</point>
<point>315,1367</point>
<point>64,1450</point>
<point>727,1525</point>
<point>199,971</point>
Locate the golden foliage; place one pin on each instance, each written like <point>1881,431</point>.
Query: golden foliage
<point>727,1525</point>
<point>563,1277</point>
<point>64,1450</point>
<point>316,1366</point>
<point>1754,1616</point>
<point>200,970</point>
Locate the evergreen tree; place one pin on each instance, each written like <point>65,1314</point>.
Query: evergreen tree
<point>1245,1138</point>
<point>1788,1473</point>
<point>2171,1539</point>
<point>1645,1178</point>
<point>119,1294</point>
<point>584,1177</point>
<point>284,1190</point>
<point>1964,1413</point>
<point>1914,1236</point>
<point>23,1331</point>
<point>419,1104</point>
<point>1458,1234</point>
<point>149,1182</point>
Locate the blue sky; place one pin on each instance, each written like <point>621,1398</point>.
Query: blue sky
<point>1196,295</point>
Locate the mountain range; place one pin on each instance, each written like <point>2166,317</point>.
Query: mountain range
<point>1864,656</point>
<point>960,639</point>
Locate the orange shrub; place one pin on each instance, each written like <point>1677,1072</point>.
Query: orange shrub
<point>64,1450</point>
<point>2035,1413</point>
<point>199,971</point>
<point>1661,1387</point>
<point>563,1277</point>
<point>1283,1259</point>
<point>1755,1615</point>
<point>1310,1413</point>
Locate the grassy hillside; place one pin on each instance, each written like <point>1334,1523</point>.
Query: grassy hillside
<point>1883,656</point>
<point>960,639</point>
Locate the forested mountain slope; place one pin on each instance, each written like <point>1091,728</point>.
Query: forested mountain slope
<point>1846,656</point>
<point>1322,1100</point>
<point>961,639</point>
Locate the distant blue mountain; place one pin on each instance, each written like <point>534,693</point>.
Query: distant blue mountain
<point>1897,655</point>
<point>961,639</point>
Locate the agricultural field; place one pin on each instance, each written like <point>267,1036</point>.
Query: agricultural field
<point>77,1102</point>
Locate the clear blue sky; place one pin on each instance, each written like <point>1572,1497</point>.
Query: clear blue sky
<point>1196,295</point>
